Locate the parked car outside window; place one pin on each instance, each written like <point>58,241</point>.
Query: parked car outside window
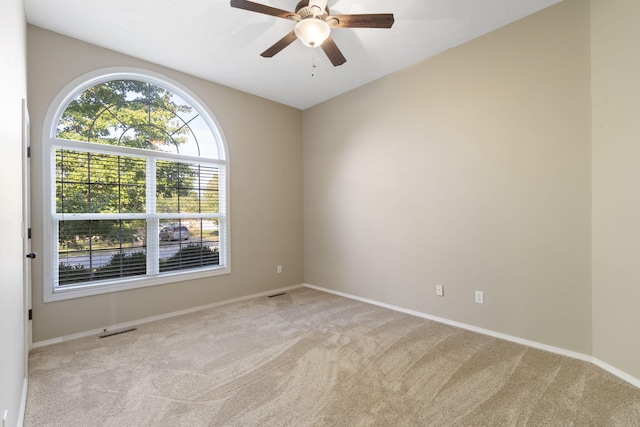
<point>174,232</point>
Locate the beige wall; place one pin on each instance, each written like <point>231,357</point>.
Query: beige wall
<point>616,182</point>
<point>265,152</point>
<point>12,336</point>
<point>470,170</point>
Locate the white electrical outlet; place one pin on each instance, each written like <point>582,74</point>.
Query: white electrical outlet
<point>480,297</point>
<point>279,269</point>
<point>440,290</point>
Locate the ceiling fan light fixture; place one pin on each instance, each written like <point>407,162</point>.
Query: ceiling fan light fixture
<point>312,31</point>
<point>313,25</point>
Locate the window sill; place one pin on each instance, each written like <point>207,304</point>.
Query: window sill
<point>80,291</point>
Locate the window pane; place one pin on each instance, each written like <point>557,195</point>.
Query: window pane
<point>183,187</point>
<point>137,114</point>
<point>99,183</point>
<point>100,250</point>
<point>201,142</point>
<point>189,243</point>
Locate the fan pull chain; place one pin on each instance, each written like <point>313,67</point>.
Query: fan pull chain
<point>313,66</point>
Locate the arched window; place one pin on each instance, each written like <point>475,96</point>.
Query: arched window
<point>136,173</point>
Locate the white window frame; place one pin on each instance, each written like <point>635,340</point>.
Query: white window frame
<point>50,233</point>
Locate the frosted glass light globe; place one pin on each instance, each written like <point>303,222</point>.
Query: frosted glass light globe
<point>312,31</point>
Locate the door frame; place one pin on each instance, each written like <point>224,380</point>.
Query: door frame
<point>26,231</point>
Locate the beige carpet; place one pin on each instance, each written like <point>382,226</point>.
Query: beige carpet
<point>309,358</point>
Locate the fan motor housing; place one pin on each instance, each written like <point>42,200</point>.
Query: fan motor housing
<point>304,10</point>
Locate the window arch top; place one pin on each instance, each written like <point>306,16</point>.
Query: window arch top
<point>138,114</point>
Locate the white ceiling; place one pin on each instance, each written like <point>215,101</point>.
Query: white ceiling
<point>211,40</point>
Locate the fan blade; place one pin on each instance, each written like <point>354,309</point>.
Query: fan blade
<point>331,49</point>
<point>280,44</point>
<point>261,8</point>
<point>372,20</point>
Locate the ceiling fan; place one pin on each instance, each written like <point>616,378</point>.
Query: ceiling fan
<point>313,25</point>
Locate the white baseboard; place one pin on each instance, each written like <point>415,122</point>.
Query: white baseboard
<point>23,402</point>
<point>561,351</point>
<point>617,372</point>
<point>98,331</point>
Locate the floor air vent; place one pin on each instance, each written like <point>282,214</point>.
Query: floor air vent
<point>106,333</point>
<point>277,295</point>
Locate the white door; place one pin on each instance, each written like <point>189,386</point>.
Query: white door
<point>26,231</point>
